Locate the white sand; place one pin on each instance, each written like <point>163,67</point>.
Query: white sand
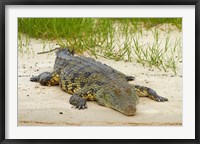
<point>40,105</point>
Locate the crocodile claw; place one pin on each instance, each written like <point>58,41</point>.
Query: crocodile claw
<point>160,99</point>
<point>81,106</point>
<point>78,102</point>
<point>156,97</point>
<point>34,78</point>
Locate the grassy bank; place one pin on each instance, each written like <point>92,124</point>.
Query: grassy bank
<point>114,38</point>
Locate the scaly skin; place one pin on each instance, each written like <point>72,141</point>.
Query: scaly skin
<point>87,79</point>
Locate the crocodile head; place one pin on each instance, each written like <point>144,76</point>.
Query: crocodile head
<point>121,98</point>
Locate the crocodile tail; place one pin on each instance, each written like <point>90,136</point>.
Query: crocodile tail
<point>64,51</point>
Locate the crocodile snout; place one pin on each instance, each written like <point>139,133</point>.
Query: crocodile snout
<point>130,110</point>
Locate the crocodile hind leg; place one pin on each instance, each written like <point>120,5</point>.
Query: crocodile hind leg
<point>130,78</point>
<point>145,91</point>
<point>47,78</point>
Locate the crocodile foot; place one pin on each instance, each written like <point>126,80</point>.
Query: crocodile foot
<point>43,78</point>
<point>155,96</point>
<point>34,79</point>
<point>78,102</point>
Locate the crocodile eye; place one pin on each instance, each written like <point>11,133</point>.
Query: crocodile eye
<point>117,91</point>
<point>128,91</point>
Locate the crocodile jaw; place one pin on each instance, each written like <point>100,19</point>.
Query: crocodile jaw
<point>128,110</point>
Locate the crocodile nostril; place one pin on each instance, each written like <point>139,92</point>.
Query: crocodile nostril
<point>130,110</point>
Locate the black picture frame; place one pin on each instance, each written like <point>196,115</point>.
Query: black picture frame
<point>3,4</point>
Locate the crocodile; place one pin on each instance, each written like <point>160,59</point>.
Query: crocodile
<point>87,79</point>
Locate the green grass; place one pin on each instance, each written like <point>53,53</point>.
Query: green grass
<point>113,38</point>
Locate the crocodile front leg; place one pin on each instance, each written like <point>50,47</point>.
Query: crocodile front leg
<point>47,78</point>
<point>79,98</point>
<point>145,91</point>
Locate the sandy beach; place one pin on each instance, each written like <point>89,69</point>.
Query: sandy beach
<point>49,106</point>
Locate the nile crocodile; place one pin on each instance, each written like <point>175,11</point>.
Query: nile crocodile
<point>87,79</point>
